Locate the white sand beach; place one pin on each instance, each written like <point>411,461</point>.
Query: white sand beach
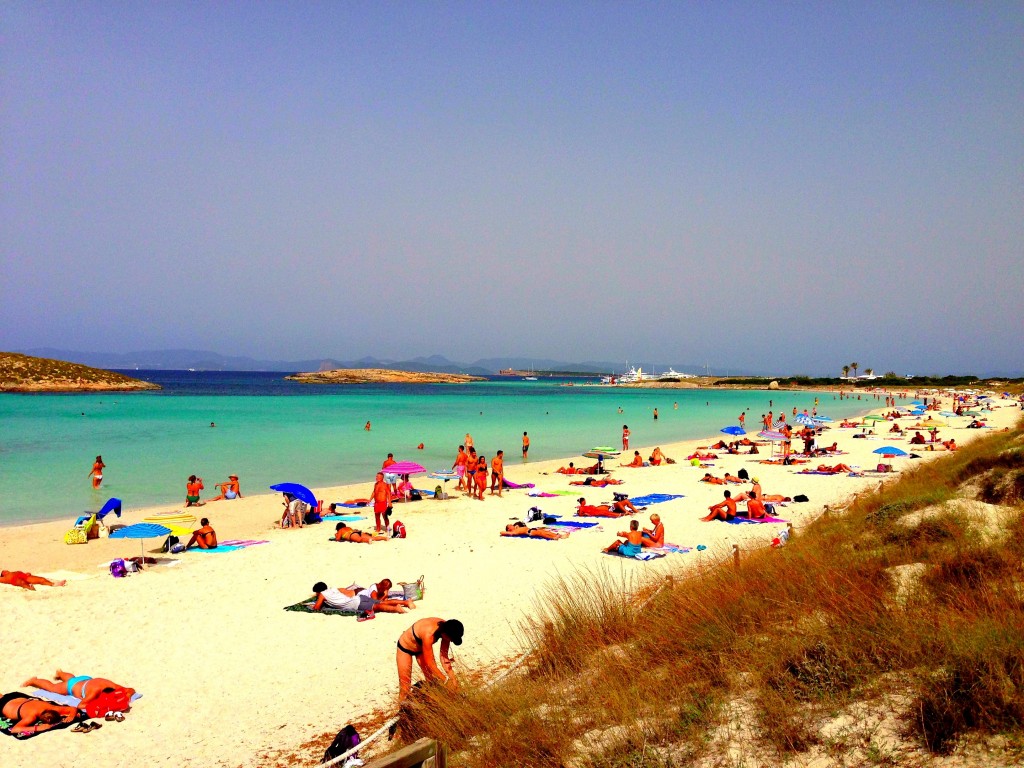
<point>229,678</point>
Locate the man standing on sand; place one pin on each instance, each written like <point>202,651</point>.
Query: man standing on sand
<point>498,472</point>
<point>459,467</point>
<point>381,502</point>
<point>526,445</point>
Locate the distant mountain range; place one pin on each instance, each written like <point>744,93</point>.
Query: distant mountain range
<point>202,360</point>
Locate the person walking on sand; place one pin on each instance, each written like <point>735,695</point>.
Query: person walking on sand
<point>96,473</point>
<point>27,580</point>
<point>417,642</point>
<point>498,472</point>
<point>381,496</point>
<point>625,437</point>
<point>192,489</point>
<point>526,445</point>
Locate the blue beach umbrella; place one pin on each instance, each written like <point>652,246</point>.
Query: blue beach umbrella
<point>301,492</point>
<point>822,419</point>
<point>141,531</point>
<point>734,430</point>
<point>890,450</point>
<point>807,421</point>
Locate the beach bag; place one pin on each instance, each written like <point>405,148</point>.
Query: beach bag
<point>534,515</point>
<point>118,569</point>
<point>169,542</point>
<point>347,739</point>
<point>800,497</point>
<point>111,701</point>
<point>438,493</point>
<point>413,590</point>
<point>398,530</point>
<point>75,536</point>
<point>415,495</point>
<point>620,496</point>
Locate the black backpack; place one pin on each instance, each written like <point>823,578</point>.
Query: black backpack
<point>346,739</point>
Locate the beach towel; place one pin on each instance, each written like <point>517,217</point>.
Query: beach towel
<point>232,545</point>
<point>541,494</point>
<point>344,518</point>
<point>306,606</point>
<point>571,524</point>
<point>654,498</point>
<point>423,492</point>
<point>528,536</point>
<point>670,549</point>
<point>65,699</point>
<point>766,519</point>
<point>514,486</point>
<point>351,504</point>
<point>643,555</point>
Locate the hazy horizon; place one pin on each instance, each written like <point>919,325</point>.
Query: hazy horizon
<point>755,186</point>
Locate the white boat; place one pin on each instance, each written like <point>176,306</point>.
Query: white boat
<point>529,378</point>
<point>632,376</point>
<point>672,373</point>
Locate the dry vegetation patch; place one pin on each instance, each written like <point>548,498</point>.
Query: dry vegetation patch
<point>24,373</point>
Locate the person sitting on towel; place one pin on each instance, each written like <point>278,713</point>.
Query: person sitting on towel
<point>205,537</point>
<point>637,461</point>
<point>755,507</point>
<point>653,537</point>
<point>519,528</point>
<point>723,510</point>
<point>633,543</point>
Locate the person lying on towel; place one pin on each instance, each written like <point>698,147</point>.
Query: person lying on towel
<point>596,483</point>
<point>519,528</point>
<point>345,532</point>
<point>616,509</point>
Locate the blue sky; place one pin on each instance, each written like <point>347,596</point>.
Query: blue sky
<point>769,186</point>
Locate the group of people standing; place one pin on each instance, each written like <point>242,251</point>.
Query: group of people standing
<point>472,470</point>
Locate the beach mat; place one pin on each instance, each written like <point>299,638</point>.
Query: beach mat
<point>65,699</point>
<point>306,606</point>
<point>515,486</point>
<point>766,519</point>
<point>343,518</point>
<point>571,524</point>
<point>654,498</point>
<point>542,495</point>
<point>642,556</point>
<point>232,545</point>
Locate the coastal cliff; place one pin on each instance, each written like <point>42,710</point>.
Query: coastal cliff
<point>23,373</point>
<point>379,376</point>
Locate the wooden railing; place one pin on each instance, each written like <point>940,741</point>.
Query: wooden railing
<point>425,752</point>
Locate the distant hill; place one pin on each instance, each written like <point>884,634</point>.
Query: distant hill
<point>25,373</point>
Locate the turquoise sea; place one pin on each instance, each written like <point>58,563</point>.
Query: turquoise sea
<point>269,430</point>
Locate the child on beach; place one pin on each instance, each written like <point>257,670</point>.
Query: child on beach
<point>632,545</point>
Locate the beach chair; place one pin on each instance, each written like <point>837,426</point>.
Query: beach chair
<point>80,533</point>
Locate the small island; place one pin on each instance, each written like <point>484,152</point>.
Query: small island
<point>380,376</point>
<point>24,373</point>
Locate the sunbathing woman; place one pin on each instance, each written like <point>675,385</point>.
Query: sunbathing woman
<point>711,479</point>
<point>27,580</point>
<point>596,482</point>
<point>655,536</point>
<point>603,510</point>
<point>702,456</point>
<point>519,528</point>
<point>570,470</point>
<point>30,715</point>
<point>758,494</point>
<point>80,686</point>
<point>632,545</point>
<point>732,479</point>
<point>379,592</point>
<point>343,532</point>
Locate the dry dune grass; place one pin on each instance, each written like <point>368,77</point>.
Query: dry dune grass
<point>774,654</point>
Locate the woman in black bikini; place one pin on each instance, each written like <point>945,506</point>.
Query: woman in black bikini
<point>31,715</point>
<point>417,642</point>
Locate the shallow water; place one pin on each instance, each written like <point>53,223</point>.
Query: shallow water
<point>269,430</point>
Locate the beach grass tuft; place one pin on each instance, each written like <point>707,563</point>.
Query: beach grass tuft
<point>902,597</point>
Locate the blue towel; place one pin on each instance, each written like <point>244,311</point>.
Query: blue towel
<point>571,524</point>
<point>655,498</point>
<point>343,518</point>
